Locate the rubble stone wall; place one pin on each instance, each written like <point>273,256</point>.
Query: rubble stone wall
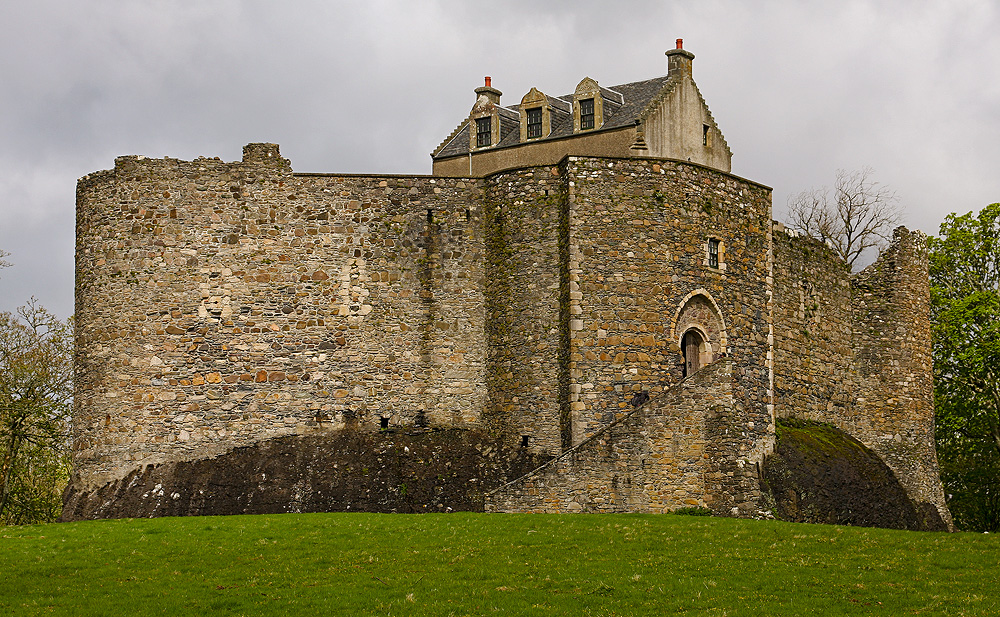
<point>638,253</point>
<point>894,413</point>
<point>657,458</point>
<point>525,269</point>
<point>813,329</point>
<point>219,304</point>
<point>854,351</point>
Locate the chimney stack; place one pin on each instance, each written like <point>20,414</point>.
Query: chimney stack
<point>491,93</point>
<point>679,61</point>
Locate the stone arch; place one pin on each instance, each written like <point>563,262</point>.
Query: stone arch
<point>698,325</point>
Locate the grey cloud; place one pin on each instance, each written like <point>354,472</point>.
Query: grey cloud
<point>799,89</point>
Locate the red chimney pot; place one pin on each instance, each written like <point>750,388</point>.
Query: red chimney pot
<point>488,80</point>
<point>680,43</point>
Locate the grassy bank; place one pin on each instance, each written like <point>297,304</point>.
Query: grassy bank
<point>475,564</point>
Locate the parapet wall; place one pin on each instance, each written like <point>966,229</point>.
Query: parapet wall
<point>222,303</point>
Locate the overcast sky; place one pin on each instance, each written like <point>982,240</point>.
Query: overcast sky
<point>799,89</point>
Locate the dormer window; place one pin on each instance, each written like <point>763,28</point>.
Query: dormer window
<point>535,116</point>
<point>589,105</point>
<point>484,119</point>
<point>484,134</point>
<point>534,122</point>
<point>586,114</point>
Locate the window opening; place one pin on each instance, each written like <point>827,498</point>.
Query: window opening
<point>384,423</point>
<point>713,253</point>
<point>430,217</point>
<point>704,134</point>
<point>484,133</point>
<point>586,114</point>
<point>524,441</point>
<point>534,123</point>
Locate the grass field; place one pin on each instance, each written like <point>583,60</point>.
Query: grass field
<point>476,564</point>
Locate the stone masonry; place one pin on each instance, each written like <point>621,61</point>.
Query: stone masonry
<point>221,306</point>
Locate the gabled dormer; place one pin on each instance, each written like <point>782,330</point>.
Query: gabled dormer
<point>588,106</point>
<point>484,119</point>
<point>536,116</point>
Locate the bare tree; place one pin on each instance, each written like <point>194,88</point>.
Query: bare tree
<point>859,215</point>
<point>4,264</point>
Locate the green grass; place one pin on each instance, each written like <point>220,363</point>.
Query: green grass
<point>475,564</point>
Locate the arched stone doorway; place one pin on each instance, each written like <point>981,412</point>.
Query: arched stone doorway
<point>699,331</point>
<point>692,348</point>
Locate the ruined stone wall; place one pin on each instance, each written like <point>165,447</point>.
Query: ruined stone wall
<point>524,321</point>
<point>812,330</point>
<point>222,303</point>
<point>854,351</point>
<point>638,237</point>
<point>892,358</point>
<point>655,459</point>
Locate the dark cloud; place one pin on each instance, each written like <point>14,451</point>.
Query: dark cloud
<point>799,89</point>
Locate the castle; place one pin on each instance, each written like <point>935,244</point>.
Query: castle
<point>251,338</point>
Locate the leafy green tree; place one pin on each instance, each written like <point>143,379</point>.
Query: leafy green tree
<point>36,369</point>
<point>965,318</point>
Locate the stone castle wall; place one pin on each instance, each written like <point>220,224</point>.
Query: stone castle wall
<point>660,457</point>
<point>525,272</point>
<point>654,459</point>
<point>892,356</point>
<point>813,329</point>
<point>219,304</point>
<point>638,254</point>
<point>854,351</point>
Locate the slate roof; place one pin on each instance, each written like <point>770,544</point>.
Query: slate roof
<point>623,106</point>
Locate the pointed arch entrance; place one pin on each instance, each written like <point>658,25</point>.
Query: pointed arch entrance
<point>699,330</point>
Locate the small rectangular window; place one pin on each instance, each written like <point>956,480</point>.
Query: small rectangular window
<point>484,134</point>
<point>586,114</point>
<point>713,253</point>
<point>534,123</point>
<point>704,134</point>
